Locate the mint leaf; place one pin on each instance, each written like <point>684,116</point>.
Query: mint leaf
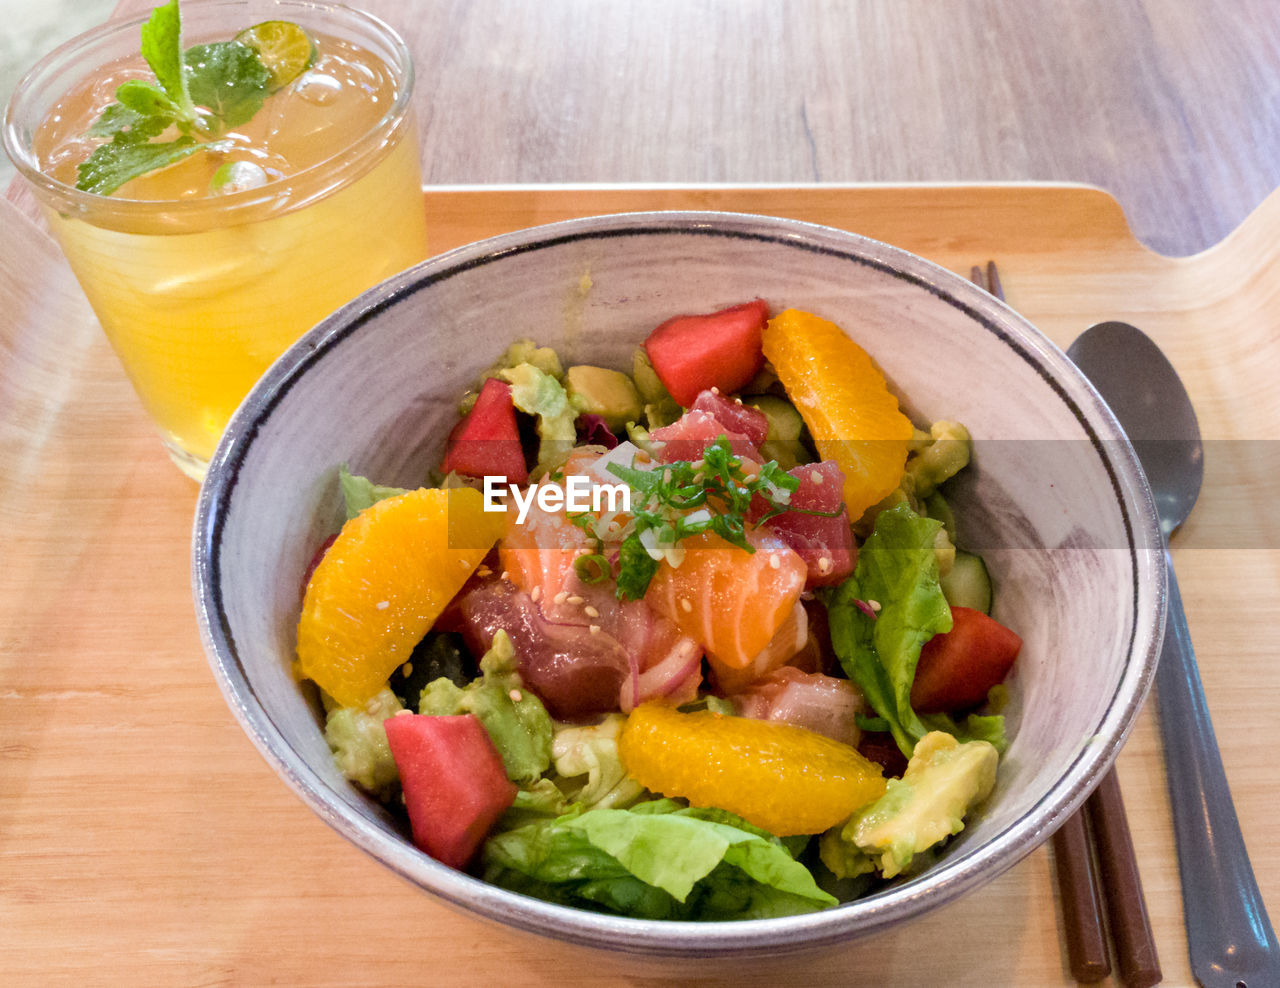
<point>124,125</point>
<point>146,99</point>
<point>162,48</point>
<point>228,78</point>
<point>111,165</point>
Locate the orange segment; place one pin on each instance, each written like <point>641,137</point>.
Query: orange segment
<point>732,602</point>
<point>845,402</point>
<point>782,778</point>
<point>383,583</point>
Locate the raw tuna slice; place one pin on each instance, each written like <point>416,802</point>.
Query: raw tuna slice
<point>824,543</point>
<point>688,437</point>
<point>575,671</point>
<point>734,415</point>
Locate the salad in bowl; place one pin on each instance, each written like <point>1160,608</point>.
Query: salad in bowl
<point>742,758</point>
<point>693,639</point>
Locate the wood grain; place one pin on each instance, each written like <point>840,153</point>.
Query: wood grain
<point>1168,104</point>
<point>144,841</point>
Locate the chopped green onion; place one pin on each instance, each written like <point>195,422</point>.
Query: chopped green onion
<point>593,568</point>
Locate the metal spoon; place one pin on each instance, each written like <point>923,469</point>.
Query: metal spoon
<point>1231,941</point>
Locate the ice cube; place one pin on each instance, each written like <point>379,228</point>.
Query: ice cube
<point>318,88</point>
<point>237,176</point>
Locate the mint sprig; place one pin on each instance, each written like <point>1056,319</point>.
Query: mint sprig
<point>226,78</point>
<point>162,48</point>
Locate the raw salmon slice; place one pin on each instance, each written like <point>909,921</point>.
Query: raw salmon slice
<point>729,600</point>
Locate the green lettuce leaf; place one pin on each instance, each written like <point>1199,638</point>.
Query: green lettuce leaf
<point>658,859</point>
<point>897,570</point>
<point>538,393</point>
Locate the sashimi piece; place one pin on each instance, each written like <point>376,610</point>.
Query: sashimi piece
<point>665,662</point>
<point>824,543</point>
<point>823,704</point>
<point>782,649</point>
<point>729,600</point>
<point>538,558</point>
<point>731,413</point>
<point>575,671</point>
<point>688,437</point>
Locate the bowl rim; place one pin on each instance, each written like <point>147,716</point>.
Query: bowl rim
<point>951,877</point>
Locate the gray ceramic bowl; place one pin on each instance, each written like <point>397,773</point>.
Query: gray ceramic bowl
<point>1055,501</point>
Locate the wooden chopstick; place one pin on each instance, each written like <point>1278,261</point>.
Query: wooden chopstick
<point>1078,894</point>
<point>1073,854</point>
<point>1126,905</point>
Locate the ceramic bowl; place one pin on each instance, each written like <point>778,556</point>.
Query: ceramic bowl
<point>1054,500</point>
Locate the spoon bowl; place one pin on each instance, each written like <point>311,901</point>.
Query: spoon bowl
<point>1144,391</point>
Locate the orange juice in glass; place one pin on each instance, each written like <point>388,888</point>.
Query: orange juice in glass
<point>255,223</point>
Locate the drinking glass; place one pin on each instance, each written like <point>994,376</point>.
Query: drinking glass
<point>199,295</point>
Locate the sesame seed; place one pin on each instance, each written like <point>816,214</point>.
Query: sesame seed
<point>590,611</point>
<point>406,670</point>
<point>824,564</point>
<point>535,593</point>
<point>560,597</point>
<point>685,605</point>
<point>775,561</point>
<point>574,599</point>
<point>815,476</point>
<point>715,390</point>
<point>505,575</point>
<point>594,629</point>
<point>484,571</point>
<point>516,696</point>
<point>399,713</point>
<point>382,605</point>
<point>874,604</point>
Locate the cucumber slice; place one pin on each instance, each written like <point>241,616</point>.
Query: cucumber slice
<point>968,585</point>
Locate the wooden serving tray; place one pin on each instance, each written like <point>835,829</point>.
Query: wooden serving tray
<point>143,840</point>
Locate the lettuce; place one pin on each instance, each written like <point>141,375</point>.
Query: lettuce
<point>656,860</point>
<point>897,570</point>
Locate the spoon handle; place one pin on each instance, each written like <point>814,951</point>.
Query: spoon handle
<point>1230,938</point>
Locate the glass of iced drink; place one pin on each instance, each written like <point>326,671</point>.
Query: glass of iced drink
<point>241,197</point>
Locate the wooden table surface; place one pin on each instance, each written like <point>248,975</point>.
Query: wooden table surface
<point>1171,105</point>
<point>144,841</point>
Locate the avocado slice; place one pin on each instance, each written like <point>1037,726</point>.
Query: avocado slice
<point>945,778</point>
<point>783,443</point>
<point>604,392</point>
